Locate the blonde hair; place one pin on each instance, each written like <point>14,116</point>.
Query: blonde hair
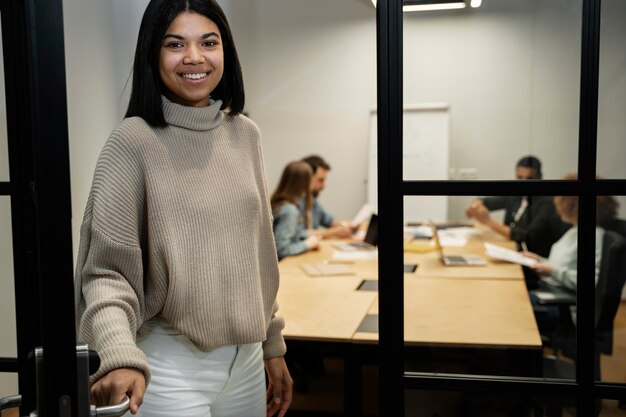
<point>295,182</point>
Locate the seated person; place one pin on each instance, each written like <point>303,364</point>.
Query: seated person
<point>289,226</point>
<point>323,224</point>
<point>560,268</point>
<point>531,221</point>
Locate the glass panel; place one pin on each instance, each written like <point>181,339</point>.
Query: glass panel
<point>8,342</point>
<point>486,86</point>
<point>610,292</point>
<point>8,386</point>
<point>472,404</point>
<point>8,338</point>
<point>470,305</point>
<point>4,153</point>
<point>612,91</point>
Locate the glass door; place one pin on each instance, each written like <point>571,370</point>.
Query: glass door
<point>35,217</point>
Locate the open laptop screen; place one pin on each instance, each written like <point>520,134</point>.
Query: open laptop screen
<point>371,236</point>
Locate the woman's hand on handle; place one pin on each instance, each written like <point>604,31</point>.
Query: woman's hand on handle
<point>117,384</point>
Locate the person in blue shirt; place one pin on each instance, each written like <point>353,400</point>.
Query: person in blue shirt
<point>323,224</point>
<point>290,224</point>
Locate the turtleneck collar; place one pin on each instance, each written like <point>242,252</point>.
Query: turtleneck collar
<point>193,118</point>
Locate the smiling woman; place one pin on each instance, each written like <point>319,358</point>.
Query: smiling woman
<point>177,272</point>
<point>191,62</point>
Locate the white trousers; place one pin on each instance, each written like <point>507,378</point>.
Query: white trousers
<point>226,382</point>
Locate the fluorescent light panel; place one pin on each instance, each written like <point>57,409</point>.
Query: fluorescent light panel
<point>430,7</point>
<point>437,6</point>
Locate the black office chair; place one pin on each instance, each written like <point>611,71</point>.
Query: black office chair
<point>607,300</point>
<point>615,225</point>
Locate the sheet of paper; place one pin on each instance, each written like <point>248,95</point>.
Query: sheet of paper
<point>355,255</point>
<point>448,239</point>
<point>460,232</point>
<point>418,232</point>
<point>364,214</point>
<point>544,295</point>
<point>509,255</point>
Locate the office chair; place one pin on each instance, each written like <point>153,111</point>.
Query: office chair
<point>607,300</point>
<point>615,225</point>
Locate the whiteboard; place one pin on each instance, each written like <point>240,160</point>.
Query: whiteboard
<point>425,156</point>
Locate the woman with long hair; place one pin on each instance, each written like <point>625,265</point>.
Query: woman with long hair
<point>290,224</point>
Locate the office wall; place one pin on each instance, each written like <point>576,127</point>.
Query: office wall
<point>510,77</point>
<point>509,71</point>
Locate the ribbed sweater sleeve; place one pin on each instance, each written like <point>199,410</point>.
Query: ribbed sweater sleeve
<point>109,273</point>
<point>178,225</point>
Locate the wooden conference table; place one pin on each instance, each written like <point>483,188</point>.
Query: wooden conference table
<point>470,307</point>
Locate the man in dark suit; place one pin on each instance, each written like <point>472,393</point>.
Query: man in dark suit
<point>531,221</point>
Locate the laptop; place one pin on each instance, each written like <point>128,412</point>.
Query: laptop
<point>369,242</point>
<point>455,260</point>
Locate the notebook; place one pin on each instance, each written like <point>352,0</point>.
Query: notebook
<point>455,260</point>
<point>369,242</point>
<point>323,269</point>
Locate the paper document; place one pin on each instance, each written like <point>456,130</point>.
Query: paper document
<point>324,269</point>
<point>447,239</point>
<point>509,255</point>
<point>355,255</point>
<point>364,214</point>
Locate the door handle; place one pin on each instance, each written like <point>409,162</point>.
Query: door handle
<point>10,402</point>
<point>116,410</point>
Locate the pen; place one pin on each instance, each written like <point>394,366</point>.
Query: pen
<point>524,247</point>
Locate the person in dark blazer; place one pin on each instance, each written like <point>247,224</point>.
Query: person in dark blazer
<point>531,221</point>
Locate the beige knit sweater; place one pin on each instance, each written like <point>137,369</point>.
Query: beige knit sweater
<point>178,225</point>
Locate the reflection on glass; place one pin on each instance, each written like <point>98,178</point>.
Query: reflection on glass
<point>610,334</point>
<point>8,344</point>
<point>472,404</point>
<point>485,86</point>
<point>4,154</point>
<point>612,91</point>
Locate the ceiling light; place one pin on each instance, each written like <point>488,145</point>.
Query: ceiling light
<point>428,5</point>
<point>425,7</point>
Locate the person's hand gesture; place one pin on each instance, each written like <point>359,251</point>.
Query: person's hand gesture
<point>482,215</point>
<point>280,386</point>
<point>531,255</point>
<point>312,242</point>
<point>344,230</point>
<point>117,384</point>
<point>543,269</point>
<point>471,210</point>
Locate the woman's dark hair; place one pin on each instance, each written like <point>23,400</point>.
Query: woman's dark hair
<point>145,97</point>
<point>315,162</point>
<point>533,162</point>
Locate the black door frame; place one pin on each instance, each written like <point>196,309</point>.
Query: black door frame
<point>39,189</point>
<point>393,380</point>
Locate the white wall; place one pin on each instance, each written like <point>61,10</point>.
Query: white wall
<point>309,68</point>
<point>510,72</point>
